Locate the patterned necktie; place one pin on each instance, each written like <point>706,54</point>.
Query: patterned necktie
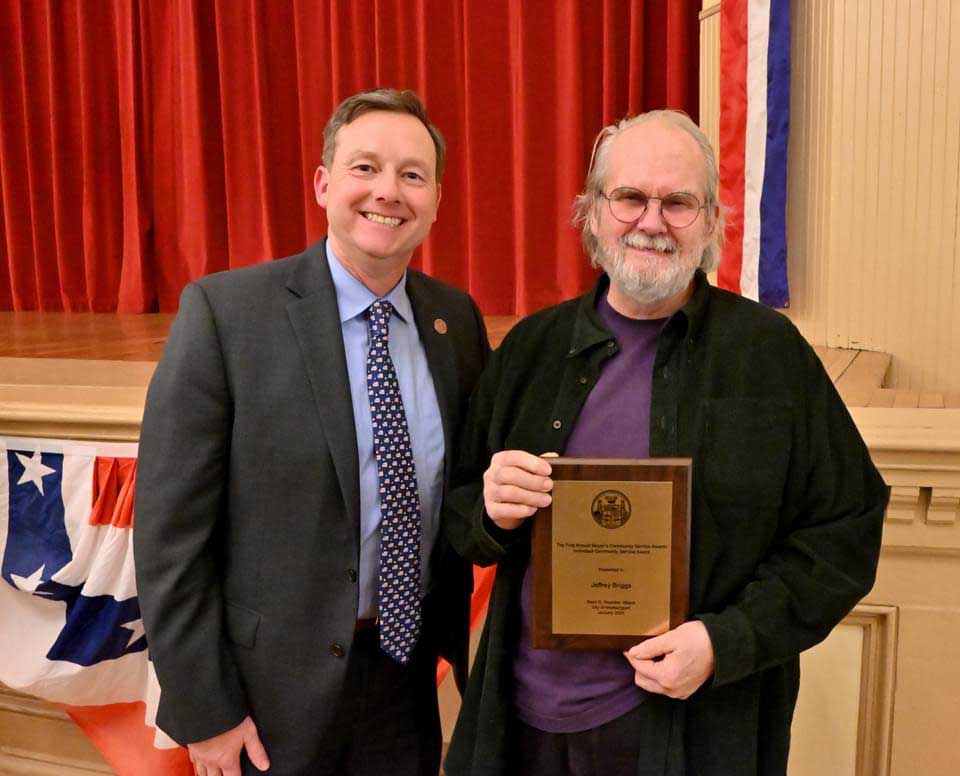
<point>399,592</point>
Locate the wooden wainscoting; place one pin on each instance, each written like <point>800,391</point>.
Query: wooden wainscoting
<point>918,453</point>
<point>38,739</point>
<point>845,711</point>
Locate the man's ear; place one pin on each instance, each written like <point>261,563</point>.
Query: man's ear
<point>437,206</point>
<point>321,180</point>
<point>713,219</point>
<point>593,219</point>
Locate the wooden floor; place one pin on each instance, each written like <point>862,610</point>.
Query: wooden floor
<point>858,374</point>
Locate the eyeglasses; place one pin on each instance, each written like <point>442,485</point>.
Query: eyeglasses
<point>628,205</point>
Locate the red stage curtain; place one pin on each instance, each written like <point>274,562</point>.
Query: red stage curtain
<point>144,143</point>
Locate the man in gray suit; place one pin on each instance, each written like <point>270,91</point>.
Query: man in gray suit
<point>278,629</point>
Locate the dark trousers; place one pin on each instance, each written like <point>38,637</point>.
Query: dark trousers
<point>612,749</point>
<point>386,722</point>
<point>387,714</point>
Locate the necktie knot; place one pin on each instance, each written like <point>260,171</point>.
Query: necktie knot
<point>378,319</point>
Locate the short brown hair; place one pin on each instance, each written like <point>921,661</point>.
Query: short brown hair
<point>391,100</point>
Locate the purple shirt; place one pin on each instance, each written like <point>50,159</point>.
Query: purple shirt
<point>566,692</point>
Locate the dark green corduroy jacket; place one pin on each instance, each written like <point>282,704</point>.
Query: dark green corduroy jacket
<point>786,517</point>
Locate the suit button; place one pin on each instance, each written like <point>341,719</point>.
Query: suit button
<point>583,380</point>
<point>557,424</point>
<point>336,650</point>
<point>352,575</point>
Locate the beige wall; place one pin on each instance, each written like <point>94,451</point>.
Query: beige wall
<point>874,171</point>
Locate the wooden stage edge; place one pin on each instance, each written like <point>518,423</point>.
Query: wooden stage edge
<point>94,336</point>
<point>108,337</point>
<point>859,375</point>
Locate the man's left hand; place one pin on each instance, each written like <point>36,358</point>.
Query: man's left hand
<point>674,664</point>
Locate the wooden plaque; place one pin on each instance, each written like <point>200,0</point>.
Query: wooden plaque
<point>611,555</point>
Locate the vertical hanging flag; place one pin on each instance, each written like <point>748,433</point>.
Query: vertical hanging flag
<point>754,125</point>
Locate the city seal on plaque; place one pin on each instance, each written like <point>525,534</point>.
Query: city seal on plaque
<point>610,509</point>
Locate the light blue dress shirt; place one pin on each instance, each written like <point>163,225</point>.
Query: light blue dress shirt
<point>423,420</point>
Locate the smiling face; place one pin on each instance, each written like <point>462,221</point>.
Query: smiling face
<point>650,262</point>
<point>380,193</point>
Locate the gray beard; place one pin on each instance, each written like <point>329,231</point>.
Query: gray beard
<point>648,284</point>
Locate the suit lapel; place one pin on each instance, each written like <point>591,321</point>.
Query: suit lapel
<point>316,323</point>
<point>431,324</point>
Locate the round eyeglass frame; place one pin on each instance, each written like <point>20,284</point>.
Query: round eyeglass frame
<point>610,200</point>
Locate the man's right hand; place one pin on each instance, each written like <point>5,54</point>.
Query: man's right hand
<point>515,486</point>
<point>220,755</point>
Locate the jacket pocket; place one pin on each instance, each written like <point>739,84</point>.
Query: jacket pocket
<point>745,454</point>
<point>242,624</point>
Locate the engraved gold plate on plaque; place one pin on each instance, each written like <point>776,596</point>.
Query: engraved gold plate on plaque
<point>610,559</point>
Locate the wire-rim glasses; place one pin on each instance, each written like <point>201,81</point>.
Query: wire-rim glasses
<point>628,205</point>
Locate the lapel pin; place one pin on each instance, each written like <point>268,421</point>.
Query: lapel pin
<point>440,326</point>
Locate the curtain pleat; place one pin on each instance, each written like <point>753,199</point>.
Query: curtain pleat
<point>16,178</point>
<point>144,143</point>
<point>136,278</point>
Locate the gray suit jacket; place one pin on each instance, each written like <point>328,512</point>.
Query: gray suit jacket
<point>248,504</point>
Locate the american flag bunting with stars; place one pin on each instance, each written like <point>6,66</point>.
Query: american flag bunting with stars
<point>70,627</point>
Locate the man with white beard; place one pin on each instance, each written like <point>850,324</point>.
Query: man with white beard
<point>786,504</point>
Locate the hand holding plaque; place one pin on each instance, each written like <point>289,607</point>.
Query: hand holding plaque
<point>611,553</point>
<point>515,486</point>
<point>675,664</point>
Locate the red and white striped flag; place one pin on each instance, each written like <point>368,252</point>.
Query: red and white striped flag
<point>754,125</point>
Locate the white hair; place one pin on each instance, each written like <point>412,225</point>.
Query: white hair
<point>585,203</point>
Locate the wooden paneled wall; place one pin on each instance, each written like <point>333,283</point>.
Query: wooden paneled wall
<point>874,172</point>
<point>710,71</point>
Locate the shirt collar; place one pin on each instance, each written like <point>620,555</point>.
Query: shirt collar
<point>353,298</point>
<point>695,310</point>
<point>589,330</point>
